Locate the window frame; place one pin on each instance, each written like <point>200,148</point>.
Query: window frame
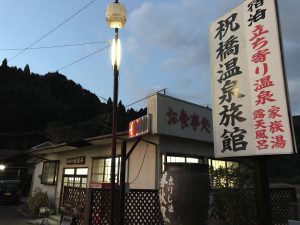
<point>165,156</point>
<point>74,176</point>
<point>103,180</point>
<point>45,174</point>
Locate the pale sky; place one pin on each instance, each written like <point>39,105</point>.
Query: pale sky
<point>165,44</point>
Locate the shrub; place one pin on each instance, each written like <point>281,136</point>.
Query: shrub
<point>232,198</point>
<point>36,201</point>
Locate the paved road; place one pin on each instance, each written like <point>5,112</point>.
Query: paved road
<point>9,215</point>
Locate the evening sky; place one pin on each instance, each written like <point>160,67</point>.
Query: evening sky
<point>165,44</point>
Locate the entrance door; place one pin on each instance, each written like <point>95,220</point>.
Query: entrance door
<point>73,177</point>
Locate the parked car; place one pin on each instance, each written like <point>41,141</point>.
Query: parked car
<point>10,190</point>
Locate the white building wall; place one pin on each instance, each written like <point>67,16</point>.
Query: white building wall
<point>143,166</point>
<point>143,160</point>
<point>36,184</point>
<point>169,144</point>
<point>89,153</point>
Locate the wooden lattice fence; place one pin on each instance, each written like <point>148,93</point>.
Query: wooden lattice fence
<point>141,207</point>
<point>284,205</point>
<point>74,203</point>
<point>99,207</point>
<point>91,206</point>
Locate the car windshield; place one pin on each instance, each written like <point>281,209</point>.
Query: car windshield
<point>9,185</point>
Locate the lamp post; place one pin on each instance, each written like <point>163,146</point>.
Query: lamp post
<point>116,18</point>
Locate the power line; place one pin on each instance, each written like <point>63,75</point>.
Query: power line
<point>53,46</point>
<point>53,29</point>
<point>106,115</point>
<point>137,101</point>
<point>70,64</point>
<point>162,90</point>
<point>41,107</point>
<point>105,99</point>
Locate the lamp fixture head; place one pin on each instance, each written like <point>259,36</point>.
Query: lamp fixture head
<point>116,15</point>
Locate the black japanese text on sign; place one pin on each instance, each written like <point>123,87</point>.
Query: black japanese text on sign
<point>250,109</point>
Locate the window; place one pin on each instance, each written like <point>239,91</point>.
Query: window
<point>75,177</point>
<point>216,164</point>
<point>49,174</point>
<point>102,168</point>
<point>181,159</point>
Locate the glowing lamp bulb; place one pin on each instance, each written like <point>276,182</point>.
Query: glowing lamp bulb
<point>116,52</point>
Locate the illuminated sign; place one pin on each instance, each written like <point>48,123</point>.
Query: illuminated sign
<point>140,126</point>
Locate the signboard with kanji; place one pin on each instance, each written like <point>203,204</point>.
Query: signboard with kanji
<point>184,194</point>
<point>140,126</point>
<point>175,117</point>
<point>76,160</point>
<point>250,108</point>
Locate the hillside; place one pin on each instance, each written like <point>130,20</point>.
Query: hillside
<point>37,108</point>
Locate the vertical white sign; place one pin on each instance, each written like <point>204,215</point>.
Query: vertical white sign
<point>250,111</point>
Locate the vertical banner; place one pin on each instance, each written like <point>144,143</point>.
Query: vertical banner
<point>184,194</point>
<point>250,108</point>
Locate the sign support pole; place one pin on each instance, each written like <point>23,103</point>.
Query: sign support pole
<point>122,182</point>
<point>262,194</point>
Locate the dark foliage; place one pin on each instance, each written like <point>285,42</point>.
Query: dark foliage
<point>286,168</point>
<point>232,198</point>
<point>37,108</point>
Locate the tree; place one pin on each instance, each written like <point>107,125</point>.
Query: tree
<point>232,199</point>
<point>121,108</point>
<point>122,118</point>
<point>27,69</point>
<point>109,105</point>
<point>50,108</point>
<point>4,63</point>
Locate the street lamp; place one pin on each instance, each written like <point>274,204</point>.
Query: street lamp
<point>115,18</point>
<point>2,167</point>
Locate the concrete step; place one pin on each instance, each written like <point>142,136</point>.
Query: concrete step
<point>39,221</point>
<point>53,222</point>
<point>55,217</point>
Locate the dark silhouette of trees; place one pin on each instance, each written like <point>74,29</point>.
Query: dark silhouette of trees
<point>286,168</point>
<point>52,108</point>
